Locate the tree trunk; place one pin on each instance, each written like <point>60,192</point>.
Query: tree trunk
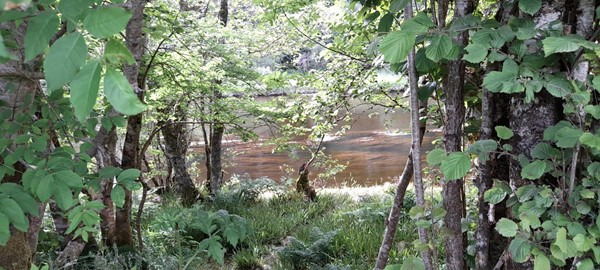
<point>131,147</point>
<point>453,191</point>
<point>416,142</point>
<point>176,145</point>
<point>17,94</point>
<point>394,216</point>
<point>216,135</point>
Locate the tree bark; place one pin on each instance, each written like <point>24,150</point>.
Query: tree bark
<point>176,145</point>
<point>453,191</point>
<point>218,128</point>
<point>394,216</point>
<point>416,142</point>
<point>17,93</point>
<point>131,147</point>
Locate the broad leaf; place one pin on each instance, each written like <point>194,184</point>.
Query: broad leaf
<point>558,86</point>
<point>129,174</point>
<point>396,46</point>
<point>567,137</point>
<point>397,5</point>
<point>84,89</point>
<point>541,262</point>
<point>506,227</point>
<point>120,94</point>
<point>439,48</point>
<point>456,166</point>
<point>118,195</point>
<point>495,80</point>
<point>586,264</point>
<point>503,132</point>
<point>494,195</point>
<point>476,53</point>
<point>64,59</point>
<point>534,170</point>
<point>520,249</point>
<point>593,110</point>
<point>544,151</point>
<point>385,24</point>
<point>413,263</point>
<point>14,213</point>
<point>590,140</point>
<point>530,6</point>
<point>106,21</point>
<point>561,44</point>
<point>436,156</point>
<point>116,52</point>
<point>62,194</point>
<point>482,149</point>
<point>40,30</point>
<point>4,231</point>
<point>74,9</point>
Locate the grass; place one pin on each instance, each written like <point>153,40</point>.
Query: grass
<point>354,225</point>
<point>359,226</point>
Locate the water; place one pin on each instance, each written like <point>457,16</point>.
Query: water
<point>374,151</point>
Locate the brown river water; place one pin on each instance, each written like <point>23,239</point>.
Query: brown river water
<point>374,151</point>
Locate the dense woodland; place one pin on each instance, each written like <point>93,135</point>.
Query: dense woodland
<point>115,115</point>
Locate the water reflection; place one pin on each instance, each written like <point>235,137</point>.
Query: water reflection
<point>374,151</point>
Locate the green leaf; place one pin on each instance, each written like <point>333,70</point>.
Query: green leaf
<point>396,45</point>
<point>561,44</point>
<point>413,263</point>
<point>439,48</point>
<point>4,230</point>
<point>482,149</point>
<point>530,6</point>
<point>385,24</point>
<point>116,52</point>
<point>417,25</point>
<point>526,192</point>
<point>456,166</point>
<point>506,227</point>
<point>393,267</point>
<point>27,203</point>
<point>120,94</point>
<point>106,21</point>
<point>541,262</point>
<point>593,110</point>
<point>84,89</point>
<point>503,132</point>
<point>583,243</point>
<point>567,137</point>
<point>128,175</point>
<point>73,9</point>
<point>118,195</point>
<point>62,195</point>
<point>544,151</point>
<point>558,86</point>
<point>586,264</point>
<point>534,170</point>
<point>40,30</point>
<point>436,156</point>
<point>69,178</point>
<point>216,251</point>
<point>63,60</point>
<point>15,214</point>
<point>397,5</point>
<point>44,189</point>
<point>494,195</point>
<point>520,249</point>
<point>587,194</point>
<point>590,140</point>
<point>561,239</point>
<point>495,80</point>
<point>476,53</point>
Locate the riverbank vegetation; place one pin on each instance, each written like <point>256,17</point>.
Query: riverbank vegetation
<point>120,122</point>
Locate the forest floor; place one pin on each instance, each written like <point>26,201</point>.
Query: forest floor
<point>342,229</point>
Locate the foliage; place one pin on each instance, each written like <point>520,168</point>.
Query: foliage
<point>314,254</point>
